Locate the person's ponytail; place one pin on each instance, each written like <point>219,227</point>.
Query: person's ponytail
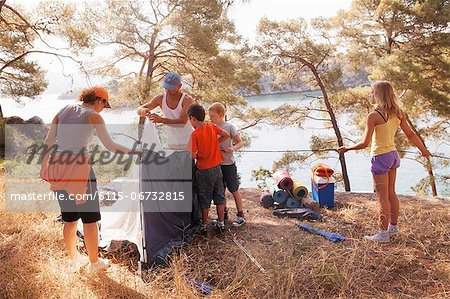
<point>88,96</point>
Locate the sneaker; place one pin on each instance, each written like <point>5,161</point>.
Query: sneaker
<point>101,265</point>
<point>76,263</point>
<point>58,219</point>
<point>381,236</point>
<point>220,226</point>
<point>214,221</point>
<point>203,230</point>
<point>239,221</point>
<point>392,229</point>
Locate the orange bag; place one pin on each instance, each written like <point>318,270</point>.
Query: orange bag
<point>321,170</point>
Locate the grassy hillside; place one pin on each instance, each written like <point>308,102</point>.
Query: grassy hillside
<point>299,265</point>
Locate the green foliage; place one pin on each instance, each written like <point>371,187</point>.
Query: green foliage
<point>318,142</point>
<point>294,48</point>
<point>422,188</point>
<point>289,161</point>
<point>352,100</point>
<point>20,169</point>
<point>405,42</point>
<point>146,39</point>
<point>260,175</point>
<point>291,46</point>
<point>339,180</point>
<point>246,138</point>
<point>19,76</point>
<point>288,115</point>
<point>108,171</point>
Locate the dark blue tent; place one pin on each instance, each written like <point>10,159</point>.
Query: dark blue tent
<point>170,212</point>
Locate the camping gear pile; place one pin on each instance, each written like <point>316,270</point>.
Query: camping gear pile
<point>289,197</point>
<point>281,191</point>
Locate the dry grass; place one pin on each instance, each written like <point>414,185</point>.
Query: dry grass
<point>299,265</point>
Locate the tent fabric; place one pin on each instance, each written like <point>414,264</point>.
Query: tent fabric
<point>167,224</point>
<point>121,221</point>
<point>163,230</point>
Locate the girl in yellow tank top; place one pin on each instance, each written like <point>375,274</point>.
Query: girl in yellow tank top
<point>381,127</point>
<point>383,138</point>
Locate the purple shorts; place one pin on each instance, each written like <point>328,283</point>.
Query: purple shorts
<point>381,164</point>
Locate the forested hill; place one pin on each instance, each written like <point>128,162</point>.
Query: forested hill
<point>269,85</point>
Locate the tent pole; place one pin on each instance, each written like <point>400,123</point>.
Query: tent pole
<point>143,259</point>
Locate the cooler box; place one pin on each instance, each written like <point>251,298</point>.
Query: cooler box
<point>323,195</point>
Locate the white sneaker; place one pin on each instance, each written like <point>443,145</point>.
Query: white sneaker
<point>239,221</point>
<point>220,226</point>
<point>392,229</point>
<point>101,265</point>
<point>75,264</point>
<point>381,236</point>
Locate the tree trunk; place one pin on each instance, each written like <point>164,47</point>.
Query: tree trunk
<point>150,66</point>
<point>2,135</point>
<point>335,126</point>
<point>429,166</point>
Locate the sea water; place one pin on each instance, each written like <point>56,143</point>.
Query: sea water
<point>267,138</point>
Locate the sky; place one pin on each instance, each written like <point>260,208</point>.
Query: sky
<point>245,15</point>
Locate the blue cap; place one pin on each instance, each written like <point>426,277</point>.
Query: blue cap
<point>171,80</point>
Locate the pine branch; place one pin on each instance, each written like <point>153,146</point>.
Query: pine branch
<point>9,63</point>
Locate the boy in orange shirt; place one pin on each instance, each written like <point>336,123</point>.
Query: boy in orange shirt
<point>205,149</point>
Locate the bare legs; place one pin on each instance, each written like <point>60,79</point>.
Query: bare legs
<point>90,238</point>
<point>205,213</point>
<point>388,204</point>
<point>220,213</point>
<point>238,199</point>
<point>70,238</point>
<point>381,186</point>
<point>393,200</point>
